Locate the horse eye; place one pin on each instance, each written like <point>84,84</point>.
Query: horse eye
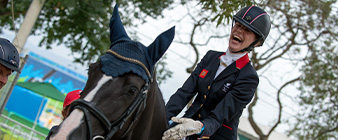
<point>132,91</point>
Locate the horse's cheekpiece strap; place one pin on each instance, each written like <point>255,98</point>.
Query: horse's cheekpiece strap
<point>132,61</point>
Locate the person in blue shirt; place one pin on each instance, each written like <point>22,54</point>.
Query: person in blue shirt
<point>223,83</point>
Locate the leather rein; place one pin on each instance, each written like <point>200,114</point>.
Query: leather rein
<point>111,128</point>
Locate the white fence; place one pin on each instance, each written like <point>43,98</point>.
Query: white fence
<point>18,131</point>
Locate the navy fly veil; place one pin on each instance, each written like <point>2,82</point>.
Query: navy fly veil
<point>106,112</point>
<point>123,47</point>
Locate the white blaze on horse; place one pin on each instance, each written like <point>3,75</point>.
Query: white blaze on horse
<point>121,99</point>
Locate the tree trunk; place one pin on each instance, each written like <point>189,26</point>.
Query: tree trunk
<point>27,24</point>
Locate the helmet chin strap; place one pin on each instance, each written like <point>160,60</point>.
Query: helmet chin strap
<point>249,48</point>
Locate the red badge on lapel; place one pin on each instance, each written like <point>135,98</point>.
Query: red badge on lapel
<point>203,73</point>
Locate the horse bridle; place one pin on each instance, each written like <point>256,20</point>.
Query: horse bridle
<point>111,128</point>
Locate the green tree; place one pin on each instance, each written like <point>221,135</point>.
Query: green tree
<point>311,25</point>
<point>318,100</point>
<point>80,25</point>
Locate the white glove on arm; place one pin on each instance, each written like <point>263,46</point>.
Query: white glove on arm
<point>184,128</point>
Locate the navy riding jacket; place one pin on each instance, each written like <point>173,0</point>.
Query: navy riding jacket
<point>219,102</point>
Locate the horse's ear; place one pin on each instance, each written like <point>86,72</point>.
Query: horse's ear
<point>161,44</point>
<point>117,31</point>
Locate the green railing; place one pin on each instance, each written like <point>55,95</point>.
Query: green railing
<point>16,128</point>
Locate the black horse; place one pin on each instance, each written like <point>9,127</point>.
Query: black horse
<point>121,99</point>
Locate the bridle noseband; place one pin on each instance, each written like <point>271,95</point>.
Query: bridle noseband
<point>137,107</point>
<point>111,128</point>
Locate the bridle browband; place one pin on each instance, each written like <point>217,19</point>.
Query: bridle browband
<point>111,128</point>
<point>132,61</point>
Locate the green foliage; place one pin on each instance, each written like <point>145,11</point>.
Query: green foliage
<point>319,80</point>
<point>318,100</point>
<point>80,25</point>
<point>224,8</point>
<point>151,8</point>
<point>304,31</point>
<point>6,20</point>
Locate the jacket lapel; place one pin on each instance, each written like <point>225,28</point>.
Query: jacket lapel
<point>213,66</point>
<point>233,68</point>
<point>227,71</point>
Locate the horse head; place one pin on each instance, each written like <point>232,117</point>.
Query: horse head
<point>121,99</point>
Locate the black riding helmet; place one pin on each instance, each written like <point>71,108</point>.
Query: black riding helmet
<point>9,56</point>
<point>257,20</point>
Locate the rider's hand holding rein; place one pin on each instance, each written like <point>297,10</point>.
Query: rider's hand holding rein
<point>185,127</point>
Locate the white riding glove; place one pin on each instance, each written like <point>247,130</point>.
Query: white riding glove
<point>186,127</point>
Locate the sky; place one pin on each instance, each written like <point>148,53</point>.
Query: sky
<point>180,57</point>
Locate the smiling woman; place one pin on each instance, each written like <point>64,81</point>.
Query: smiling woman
<point>241,38</point>
<point>223,83</point>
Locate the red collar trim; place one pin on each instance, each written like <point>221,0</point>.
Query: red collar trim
<point>241,62</point>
